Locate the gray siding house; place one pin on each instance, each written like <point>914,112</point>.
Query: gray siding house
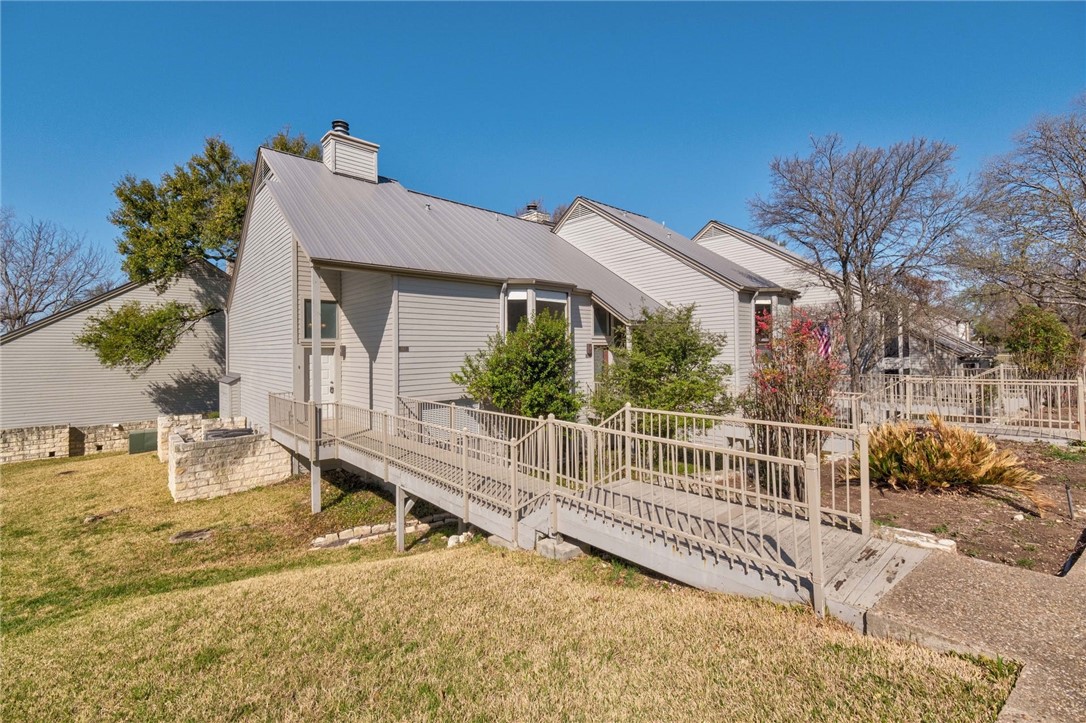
<point>675,270</point>
<point>936,345</point>
<point>409,284</point>
<point>46,379</point>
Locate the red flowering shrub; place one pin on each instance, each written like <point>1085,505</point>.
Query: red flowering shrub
<point>794,374</point>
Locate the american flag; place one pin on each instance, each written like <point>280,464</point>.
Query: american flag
<point>825,344</point>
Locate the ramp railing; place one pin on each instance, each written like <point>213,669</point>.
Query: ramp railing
<point>1041,407</point>
<point>756,492</point>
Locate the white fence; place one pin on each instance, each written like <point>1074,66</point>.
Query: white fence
<point>1000,404</point>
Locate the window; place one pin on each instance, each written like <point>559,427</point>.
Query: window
<point>517,305</point>
<point>553,301</point>
<point>328,319</point>
<point>516,308</point>
<point>603,324</point>
<point>763,331</point>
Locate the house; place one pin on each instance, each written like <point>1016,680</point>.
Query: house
<point>675,270</point>
<point>939,343</point>
<point>59,400</point>
<point>409,284</point>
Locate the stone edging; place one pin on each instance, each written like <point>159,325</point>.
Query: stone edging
<point>913,538</point>
<point>366,533</point>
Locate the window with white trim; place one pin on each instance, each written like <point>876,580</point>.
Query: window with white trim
<point>553,301</point>
<point>516,308</point>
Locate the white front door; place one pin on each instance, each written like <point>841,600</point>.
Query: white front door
<point>328,375</point>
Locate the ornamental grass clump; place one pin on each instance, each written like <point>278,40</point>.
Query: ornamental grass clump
<point>947,458</point>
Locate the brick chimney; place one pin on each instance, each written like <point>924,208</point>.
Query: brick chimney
<point>349,156</point>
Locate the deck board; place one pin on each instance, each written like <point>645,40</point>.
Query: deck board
<point>694,523</point>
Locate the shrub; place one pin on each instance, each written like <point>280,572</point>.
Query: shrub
<point>672,366</point>
<point>792,380</point>
<point>946,458</point>
<point>528,371</point>
<point>1042,346</point>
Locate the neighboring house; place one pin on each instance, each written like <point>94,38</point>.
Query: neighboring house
<point>675,270</point>
<point>46,379</point>
<point>410,284</point>
<point>940,345</point>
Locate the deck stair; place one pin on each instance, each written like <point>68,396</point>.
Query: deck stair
<point>717,503</point>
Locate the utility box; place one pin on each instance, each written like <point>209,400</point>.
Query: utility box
<point>142,440</point>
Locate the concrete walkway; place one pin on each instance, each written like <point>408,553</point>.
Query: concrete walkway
<point>953,602</point>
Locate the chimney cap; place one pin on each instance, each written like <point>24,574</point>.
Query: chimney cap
<point>533,206</point>
<point>341,126</point>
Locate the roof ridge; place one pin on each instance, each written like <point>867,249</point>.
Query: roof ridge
<point>619,208</point>
<point>288,153</point>
<point>469,205</point>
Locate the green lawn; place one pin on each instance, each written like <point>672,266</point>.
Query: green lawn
<point>108,620</point>
<point>53,565</point>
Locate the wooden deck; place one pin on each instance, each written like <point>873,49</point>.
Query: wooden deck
<point>709,541</point>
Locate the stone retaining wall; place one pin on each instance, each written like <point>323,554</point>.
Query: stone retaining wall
<point>18,445</point>
<point>26,443</point>
<point>103,437</point>
<point>192,425</point>
<point>201,469</point>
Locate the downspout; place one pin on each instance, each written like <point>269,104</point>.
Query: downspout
<point>395,344</point>
<point>315,389</point>
<point>502,319</point>
<point>735,329</point>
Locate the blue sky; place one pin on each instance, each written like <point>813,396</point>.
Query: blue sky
<point>671,110</point>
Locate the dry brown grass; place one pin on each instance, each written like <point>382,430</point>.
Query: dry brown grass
<point>474,634</point>
<point>53,565</point>
<point>113,622</point>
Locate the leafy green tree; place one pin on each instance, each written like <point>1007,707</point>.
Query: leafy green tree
<point>192,214</point>
<point>528,371</point>
<point>135,335</point>
<point>1042,346</point>
<point>671,366</point>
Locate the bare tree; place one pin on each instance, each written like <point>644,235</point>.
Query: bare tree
<point>45,269</point>
<point>873,220</point>
<point>1030,240</point>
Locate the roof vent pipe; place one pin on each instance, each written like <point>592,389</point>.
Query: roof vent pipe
<point>341,126</point>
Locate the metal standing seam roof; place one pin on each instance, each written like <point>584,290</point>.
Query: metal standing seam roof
<point>729,270</point>
<point>350,221</point>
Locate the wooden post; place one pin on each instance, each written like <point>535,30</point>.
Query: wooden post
<point>315,391</point>
<point>513,510</point>
<point>865,481</point>
<point>591,473</point>
<point>1082,408</point>
<point>464,470</point>
<point>384,441</point>
<point>813,487</point>
<point>401,518</point>
<point>552,460</point>
<point>629,443</point>
<point>908,396</point>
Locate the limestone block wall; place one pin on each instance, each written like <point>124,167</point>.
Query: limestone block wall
<point>192,425</point>
<point>19,445</point>
<point>201,469</point>
<point>168,425</point>
<point>26,443</point>
<point>103,437</point>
